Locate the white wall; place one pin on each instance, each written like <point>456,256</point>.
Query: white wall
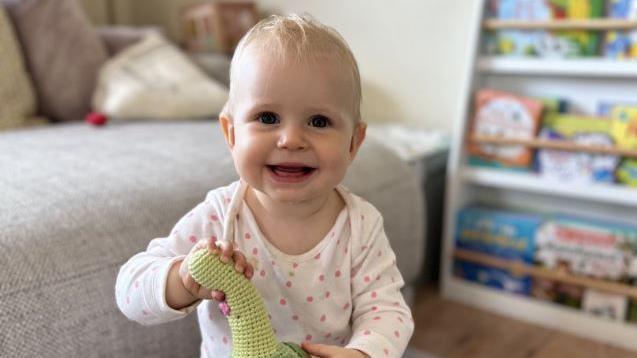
<point>411,53</point>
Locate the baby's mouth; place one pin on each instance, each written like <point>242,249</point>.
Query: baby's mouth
<point>290,171</point>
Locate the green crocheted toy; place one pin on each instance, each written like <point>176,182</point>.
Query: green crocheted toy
<point>252,333</point>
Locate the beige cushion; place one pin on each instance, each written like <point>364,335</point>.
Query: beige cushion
<point>63,54</point>
<point>17,99</point>
<point>154,80</point>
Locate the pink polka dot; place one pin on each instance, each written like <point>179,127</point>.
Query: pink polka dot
<point>345,251</point>
<point>337,273</point>
<point>362,217</point>
<point>145,313</point>
<point>380,253</point>
<point>377,277</point>
<point>225,340</point>
<point>397,334</point>
<point>367,279</point>
<point>127,300</point>
<point>396,304</point>
<point>214,217</point>
<point>374,294</point>
<point>282,302</point>
<point>323,318</point>
<point>327,294</point>
<point>338,241</point>
<point>364,247</point>
<point>310,298</point>
<point>136,284</point>
<point>308,337</point>
<point>318,256</point>
<point>255,251</point>
<point>322,278</point>
<point>346,306</point>
<point>295,317</point>
<point>295,265</point>
<point>193,239</point>
<point>367,332</point>
<point>377,318</point>
<point>262,273</point>
<point>213,238</point>
<point>288,284</point>
<point>386,351</point>
<point>400,319</point>
<point>273,263</point>
<point>374,308</point>
<point>247,236</point>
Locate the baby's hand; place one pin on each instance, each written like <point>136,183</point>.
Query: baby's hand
<point>226,254</point>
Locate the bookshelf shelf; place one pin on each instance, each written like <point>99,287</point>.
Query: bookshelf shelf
<point>554,144</point>
<point>589,24</point>
<point>530,182</point>
<point>586,67</point>
<point>520,268</point>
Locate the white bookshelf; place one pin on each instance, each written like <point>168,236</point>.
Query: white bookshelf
<point>584,83</point>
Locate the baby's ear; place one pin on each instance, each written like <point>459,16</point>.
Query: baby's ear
<point>360,130</point>
<point>227,127</point>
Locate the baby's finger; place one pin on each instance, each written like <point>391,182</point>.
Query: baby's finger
<point>217,295</point>
<point>226,252</point>
<point>240,261</point>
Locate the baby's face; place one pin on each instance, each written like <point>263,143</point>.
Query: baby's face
<point>293,132</point>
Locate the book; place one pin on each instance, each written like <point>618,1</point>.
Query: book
<point>542,43</point>
<point>621,44</point>
<point>505,115</point>
<point>573,166</point>
<point>500,233</point>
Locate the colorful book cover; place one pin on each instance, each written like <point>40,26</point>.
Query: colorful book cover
<point>505,115</point>
<point>621,44</point>
<point>573,166</point>
<point>499,233</point>
<point>561,44</point>
<point>606,305</point>
<point>624,128</point>
<point>592,248</point>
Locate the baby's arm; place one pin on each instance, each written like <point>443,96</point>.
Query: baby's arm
<point>382,322</point>
<point>150,288</point>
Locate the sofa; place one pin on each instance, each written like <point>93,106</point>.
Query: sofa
<point>77,201</point>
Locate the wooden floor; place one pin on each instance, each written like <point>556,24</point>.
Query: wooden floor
<point>449,329</point>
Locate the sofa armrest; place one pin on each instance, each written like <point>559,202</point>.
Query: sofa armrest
<point>117,38</point>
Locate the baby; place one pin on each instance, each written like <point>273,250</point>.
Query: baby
<point>317,253</point>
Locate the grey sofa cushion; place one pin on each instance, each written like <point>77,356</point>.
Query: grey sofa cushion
<point>77,202</point>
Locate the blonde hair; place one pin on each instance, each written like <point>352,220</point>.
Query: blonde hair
<point>300,38</point>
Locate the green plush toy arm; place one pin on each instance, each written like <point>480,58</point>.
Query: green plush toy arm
<point>252,333</point>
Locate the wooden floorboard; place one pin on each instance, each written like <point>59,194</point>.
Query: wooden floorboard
<point>449,329</point>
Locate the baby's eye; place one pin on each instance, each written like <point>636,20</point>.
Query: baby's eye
<point>319,121</point>
<point>267,118</point>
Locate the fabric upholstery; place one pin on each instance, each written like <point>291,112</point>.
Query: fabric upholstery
<point>117,38</point>
<point>63,54</point>
<point>77,202</point>
<point>17,99</point>
<point>154,80</point>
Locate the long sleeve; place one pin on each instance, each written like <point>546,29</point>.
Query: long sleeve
<point>140,288</point>
<point>382,321</point>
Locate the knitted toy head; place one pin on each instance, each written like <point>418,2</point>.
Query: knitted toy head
<point>252,333</point>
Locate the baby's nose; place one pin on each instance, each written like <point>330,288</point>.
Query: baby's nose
<point>292,138</point>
